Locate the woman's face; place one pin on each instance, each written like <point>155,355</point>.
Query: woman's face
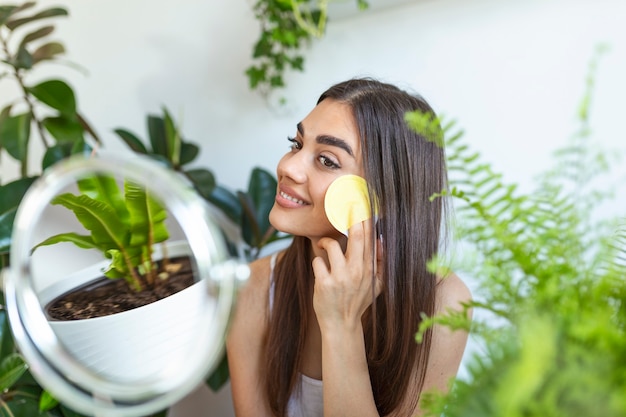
<point>326,146</point>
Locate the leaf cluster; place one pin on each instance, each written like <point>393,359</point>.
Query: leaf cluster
<point>45,109</point>
<point>124,228</point>
<point>551,298</point>
<point>286,26</point>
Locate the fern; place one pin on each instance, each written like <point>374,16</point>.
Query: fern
<point>553,275</point>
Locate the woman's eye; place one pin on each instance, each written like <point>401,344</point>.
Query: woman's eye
<point>328,163</point>
<point>295,145</point>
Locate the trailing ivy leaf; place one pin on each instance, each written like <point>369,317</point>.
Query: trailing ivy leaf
<point>47,51</point>
<point>15,133</point>
<point>133,142</point>
<point>56,94</point>
<point>52,12</point>
<point>12,367</point>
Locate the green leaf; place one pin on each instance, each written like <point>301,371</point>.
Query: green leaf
<point>104,188</point>
<point>107,229</point>
<point>172,139</point>
<point>12,367</point>
<point>147,216</point>
<point>158,136</point>
<point>10,197</point>
<point>47,51</point>
<point>188,152</point>
<point>47,401</point>
<point>7,344</point>
<point>82,241</point>
<point>23,59</point>
<point>15,133</point>
<point>227,202</point>
<point>220,375</point>
<point>56,94</point>
<point>249,226</point>
<point>133,142</point>
<point>7,11</point>
<point>202,180</point>
<point>262,190</point>
<point>38,34</point>
<point>64,128</point>
<point>61,151</point>
<point>52,12</point>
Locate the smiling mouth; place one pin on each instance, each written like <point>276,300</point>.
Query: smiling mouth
<point>290,198</point>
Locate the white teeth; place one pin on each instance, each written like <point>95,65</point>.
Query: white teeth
<point>290,198</point>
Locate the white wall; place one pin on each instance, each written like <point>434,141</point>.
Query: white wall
<point>511,73</point>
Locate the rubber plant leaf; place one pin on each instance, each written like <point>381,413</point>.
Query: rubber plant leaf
<point>156,132</point>
<point>15,132</point>
<point>172,139</point>
<point>133,142</point>
<point>64,128</point>
<point>12,367</point>
<point>203,181</point>
<point>10,197</point>
<point>227,202</point>
<point>262,191</point>
<point>7,343</point>
<point>56,94</point>
<point>188,152</point>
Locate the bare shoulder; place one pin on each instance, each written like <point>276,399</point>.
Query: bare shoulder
<point>452,293</point>
<point>253,296</point>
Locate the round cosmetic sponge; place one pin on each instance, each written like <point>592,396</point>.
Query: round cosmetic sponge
<point>347,202</point>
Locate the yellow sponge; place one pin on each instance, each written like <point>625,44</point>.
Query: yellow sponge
<point>347,202</point>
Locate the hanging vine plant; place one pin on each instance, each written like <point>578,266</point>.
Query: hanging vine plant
<point>286,26</point>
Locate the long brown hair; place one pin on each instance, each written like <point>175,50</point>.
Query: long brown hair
<point>403,169</point>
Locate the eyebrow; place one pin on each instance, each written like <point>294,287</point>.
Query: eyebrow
<point>329,140</point>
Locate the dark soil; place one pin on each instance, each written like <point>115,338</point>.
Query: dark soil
<point>105,296</point>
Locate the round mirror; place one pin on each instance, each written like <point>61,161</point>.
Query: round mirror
<point>121,286</point>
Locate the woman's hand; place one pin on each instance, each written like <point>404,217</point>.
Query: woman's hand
<point>343,287</point>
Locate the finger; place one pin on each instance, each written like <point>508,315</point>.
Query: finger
<point>355,249</point>
<point>334,253</point>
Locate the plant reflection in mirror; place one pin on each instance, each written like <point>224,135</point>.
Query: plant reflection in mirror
<point>124,227</point>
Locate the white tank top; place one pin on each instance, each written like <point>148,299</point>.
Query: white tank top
<point>307,399</point>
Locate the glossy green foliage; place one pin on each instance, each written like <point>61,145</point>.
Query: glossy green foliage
<point>46,110</point>
<point>550,304</point>
<point>124,228</point>
<point>286,26</point>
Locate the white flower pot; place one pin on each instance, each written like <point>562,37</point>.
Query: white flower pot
<point>138,344</point>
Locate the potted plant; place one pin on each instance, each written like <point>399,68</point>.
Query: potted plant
<point>48,110</point>
<point>549,332</point>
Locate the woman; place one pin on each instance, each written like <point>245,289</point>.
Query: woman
<point>327,326</point>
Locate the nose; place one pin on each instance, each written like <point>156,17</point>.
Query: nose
<point>292,166</point>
